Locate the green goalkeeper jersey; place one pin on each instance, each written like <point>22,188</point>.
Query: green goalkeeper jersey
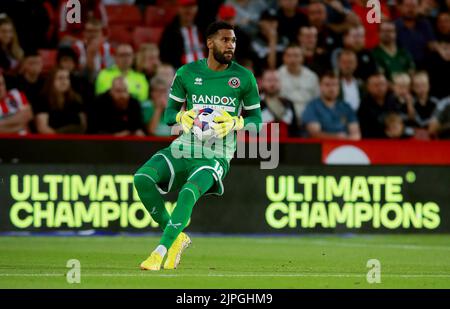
<point>197,86</point>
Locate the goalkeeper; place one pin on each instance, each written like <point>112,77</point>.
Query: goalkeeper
<point>216,82</point>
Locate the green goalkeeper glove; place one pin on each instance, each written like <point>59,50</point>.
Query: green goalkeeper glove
<point>186,119</point>
<point>226,123</point>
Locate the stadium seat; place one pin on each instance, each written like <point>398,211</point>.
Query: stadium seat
<point>123,14</point>
<point>159,16</point>
<point>48,59</point>
<point>120,34</point>
<point>146,35</point>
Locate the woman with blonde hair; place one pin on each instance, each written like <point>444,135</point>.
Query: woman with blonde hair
<point>10,51</point>
<point>147,60</point>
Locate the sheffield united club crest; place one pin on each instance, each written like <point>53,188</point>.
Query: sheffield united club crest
<point>234,82</point>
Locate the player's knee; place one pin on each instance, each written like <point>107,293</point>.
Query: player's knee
<point>144,178</point>
<point>140,182</point>
<point>190,188</point>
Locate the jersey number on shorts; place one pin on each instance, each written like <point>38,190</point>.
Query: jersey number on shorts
<point>219,169</point>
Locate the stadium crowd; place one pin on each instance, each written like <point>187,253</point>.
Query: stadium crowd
<point>324,70</point>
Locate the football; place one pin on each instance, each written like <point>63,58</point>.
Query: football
<point>203,123</point>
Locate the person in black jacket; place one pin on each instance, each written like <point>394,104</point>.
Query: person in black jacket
<point>116,112</point>
<point>374,108</point>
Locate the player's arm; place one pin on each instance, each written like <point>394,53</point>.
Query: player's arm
<point>172,109</point>
<point>177,97</point>
<point>253,119</point>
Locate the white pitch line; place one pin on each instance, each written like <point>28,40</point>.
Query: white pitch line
<point>357,245</point>
<point>150,274</point>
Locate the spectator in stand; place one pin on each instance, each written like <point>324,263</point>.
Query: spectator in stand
<point>438,60</point>
<point>153,109</point>
<point>361,9</point>
<point>33,22</point>
<point>315,58</point>
<point>248,13</point>
<point>327,117</point>
<point>429,9</point>
<point>401,86</point>
<point>424,104</point>
<point>394,127</point>
<point>29,80</point>
<point>354,39</point>
<point>275,108</point>
<point>414,33</point>
<point>181,41</point>
<point>328,40</point>
<point>116,112</point>
<point>93,51</point>
<point>351,88</point>
<point>389,58</point>
<point>67,59</point>
<point>298,83</point>
<point>166,72</point>
<point>10,51</point>
<point>340,15</point>
<point>147,60</point>
<point>374,107</point>
<point>267,45</point>
<point>207,12</point>
<point>136,82</point>
<point>440,122</point>
<point>69,32</point>
<point>227,13</point>
<point>60,109</point>
<point>290,19</point>
<point>443,27</point>
<point>15,112</point>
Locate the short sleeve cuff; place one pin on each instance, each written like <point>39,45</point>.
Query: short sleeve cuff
<point>250,107</point>
<point>176,98</point>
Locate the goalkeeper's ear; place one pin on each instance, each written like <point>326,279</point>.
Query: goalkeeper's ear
<point>209,42</point>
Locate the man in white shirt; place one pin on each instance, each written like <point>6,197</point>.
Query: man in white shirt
<point>298,83</point>
<point>349,84</point>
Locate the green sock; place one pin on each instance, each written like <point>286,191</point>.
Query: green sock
<point>145,181</point>
<point>189,194</point>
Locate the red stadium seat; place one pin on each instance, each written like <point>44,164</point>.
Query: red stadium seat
<point>120,34</point>
<point>48,59</point>
<point>159,16</point>
<point>123,14</point>
<point>147,35</point>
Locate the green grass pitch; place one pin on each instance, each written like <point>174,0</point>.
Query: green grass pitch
<point>407,261</point>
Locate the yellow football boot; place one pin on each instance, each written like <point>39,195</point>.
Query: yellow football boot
<point>174,254</point>
<point>153,262</point>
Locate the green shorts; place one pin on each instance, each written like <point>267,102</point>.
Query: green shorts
<point>181,169</point>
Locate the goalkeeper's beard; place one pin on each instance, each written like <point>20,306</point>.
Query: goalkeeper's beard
<point>220,57</point>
